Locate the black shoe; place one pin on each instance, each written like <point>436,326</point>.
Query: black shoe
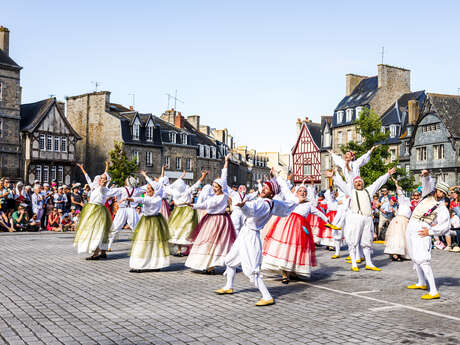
<point>285,280</point>
<point>135,271</point>
<point>103,256</point>
<point>92,257</point>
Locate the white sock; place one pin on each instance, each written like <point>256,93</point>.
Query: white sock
<point>259,283</point>
<point>360,252</point>
<point>230,273</point>
<point>367,256</point>
<point>353,256</point>
<point>426,267</point>
<point>337,247</point>
<point>420,275</point>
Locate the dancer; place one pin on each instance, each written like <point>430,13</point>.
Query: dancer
<point>150,249</point>
<point>395,239</point>
<point>165,209</point>
<point>289,245</point>
<point>358,223</point>
<point>247,249</point>
<point>126,213</point>
<point>92,232</point>
<point>214,235</point>
<point>236,198</point>
<point>183,218</point>
<point>429,218</point>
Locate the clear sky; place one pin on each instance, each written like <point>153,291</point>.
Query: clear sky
<point>253,67</point>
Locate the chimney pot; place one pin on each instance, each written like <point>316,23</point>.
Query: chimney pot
<point>5,40</point>
<point>131,107</point>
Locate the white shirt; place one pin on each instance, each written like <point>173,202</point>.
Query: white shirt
<point>181,193</point>
<point>214,204</point>
<point>259,211</point>
<point>355,166</point>
<point>37,202</point>
<point>127,192</point>
<point>331,201</point>
<point>99,195</point>
<point>404,204</point>
<point>152,204</point>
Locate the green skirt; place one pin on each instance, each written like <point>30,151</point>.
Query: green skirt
<point>150,249</point>
<point>93,229</point>
<point>181,223</point>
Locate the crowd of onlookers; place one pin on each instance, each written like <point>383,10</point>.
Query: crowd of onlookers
<point>38,207</point>
<point>385,207</point>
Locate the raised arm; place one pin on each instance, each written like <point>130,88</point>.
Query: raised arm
<point>197,184</point>
<point>338,160</point>
<point>373,188</point>
<point>427,183</point>
<point>364,159</point>
<point>285,191</point>
<point>340,183</point>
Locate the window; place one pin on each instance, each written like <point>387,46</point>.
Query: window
<point>136,129</point>
<point>46,176</point>
<point>1,128</point>
<point>438,151</point>
<point>188,164</point>
<point>207,152</point>
<point>349,135</point>
<point>421,153</point>
<point>63,144</point>
<point>149,132</point>
<point>148,159</point>
<point>42,142</point>
<point>201,151</point>
<point>167,161</point>
<point>213,152</point>
<point>60,174</point>
<point>326,137</point>
<point>393,130</point>
<point>2,88</point>
<point>49,143</point>
<point>38,173</point>
<point>407,168</point>
<point>178,165</point>
<point>184,139</point>
<point>172,137</point>
<point>56,144</point>
<point>349,115</point>
<point>359,138</point>
<point>307,170</point>
<point>135,156</point>
<point>392,155</point>
<point>358,111</point>
<point>340,116</point>
<point>406,147</point>
<point>339,138</point>
<point>383,129</point>
<point>53,173</point>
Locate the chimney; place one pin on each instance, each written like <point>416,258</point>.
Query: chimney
<point>352,81</point>
<point>5,40</point>
<point>298,126</point>
<point>395,78</point>
<point>413,111</point>
<point>131,107</point>
<point>205,130</point>
<point>61,106</point>
<point>179,120</point>
<point>195,121</point>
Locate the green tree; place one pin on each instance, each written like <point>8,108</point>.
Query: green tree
<point>120,166</point>
<point>369,125</point>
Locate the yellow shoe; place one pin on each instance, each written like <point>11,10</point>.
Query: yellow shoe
<point>415,286</point>
<point>263,302</point>
<point>335,256</point>
<point>109,250</point>
<point>361,259</point>
<point>348,261</point>
<point>355,269</point>
<point>333,227</point>
<point>348,258</point>
<point>428,296</point>
<point>372,268</point>
<point>358,261</point>
<point>224,292</point>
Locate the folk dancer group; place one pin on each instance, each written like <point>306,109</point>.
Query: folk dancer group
<point>269,230</point>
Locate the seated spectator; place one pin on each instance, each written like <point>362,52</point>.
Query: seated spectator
<point>66,223</point>
<point>53,221</point>
<point>34,223</point>
<point>74,217</point>
<point>5,223</point>
<point>20,218</point>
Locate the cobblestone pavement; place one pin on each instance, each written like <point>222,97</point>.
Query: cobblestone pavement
<point>49,295</point>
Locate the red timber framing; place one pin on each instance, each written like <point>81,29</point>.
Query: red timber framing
<point>306,158</point>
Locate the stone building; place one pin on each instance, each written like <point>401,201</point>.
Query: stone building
<point>10,102</point>
<point>377,92</point>
<point>398,121</point>
<point>281,162</point>
<point>100,123</point>
<point>48,142</point>
<point>255,163</point>
<point>435,143</point>
<point>326,145</point>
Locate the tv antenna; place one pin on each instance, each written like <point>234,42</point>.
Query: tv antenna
<point>96,85</point>
<point>133,98</point>
<point>174,98</point>
<point>383,53</point>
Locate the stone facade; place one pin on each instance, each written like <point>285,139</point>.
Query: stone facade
<point>10,101</point>
<point>326,145</point>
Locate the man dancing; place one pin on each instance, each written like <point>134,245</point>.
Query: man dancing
<point>358,224</point>
<point>429,218</point>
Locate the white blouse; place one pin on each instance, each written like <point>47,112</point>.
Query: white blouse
<point>181,193</point>
<point>99,195</point>
<point>404,204</point>
<point>259,211</point>
<point>214,204</point>
<point>151,204</point>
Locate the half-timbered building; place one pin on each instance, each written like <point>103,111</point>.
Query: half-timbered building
<point>48,142</point>
<point>306,155</point>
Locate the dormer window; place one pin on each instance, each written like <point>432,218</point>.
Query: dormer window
<point>393,130</point>
<point>184,139</point>
<point>340,116</point>
<point>358,111</point>
<point>349,115</point>
<point>207,152</point>
<point>2,90</point>
<point>136,129</point>
<point>213,151</point>
<point>172,137</point>
<point>201,150</point>
<point>149,131</point>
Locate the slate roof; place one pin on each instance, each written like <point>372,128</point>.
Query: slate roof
<point>8,62</point>
<point>315,131</point>
<point>361,95</point>
<point>447,107</point>
<point>32,115</point>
